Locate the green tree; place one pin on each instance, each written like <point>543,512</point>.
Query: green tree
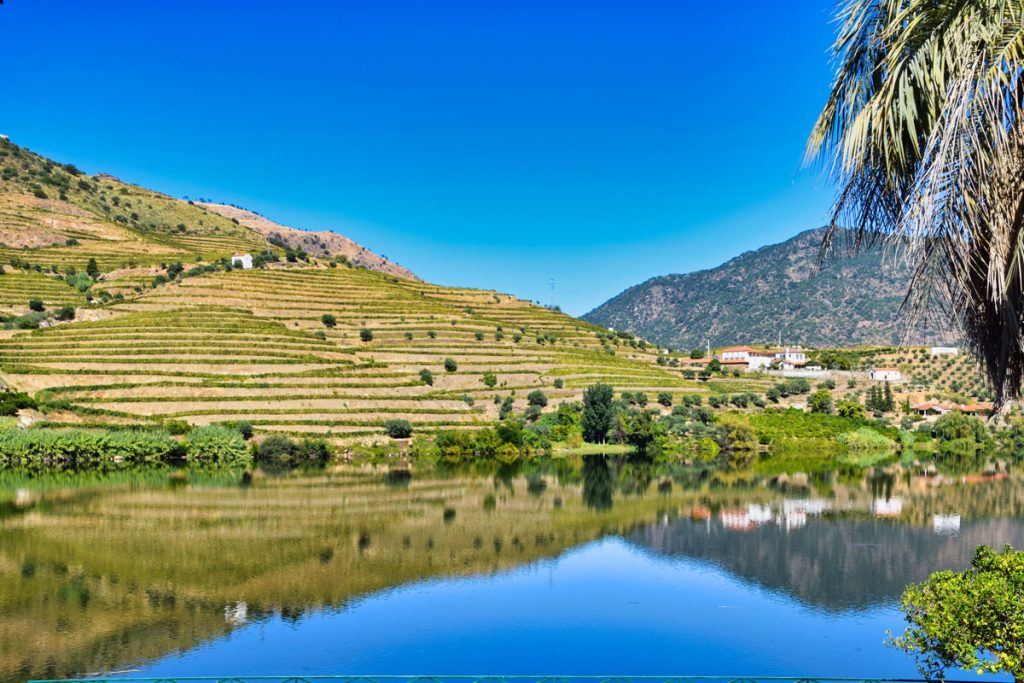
<point>537,398</point>
<point>366,335</point>
<point>598,412</point>
<point>450,365</point>
<point>697,353</point>
<point>489,379</point>
<point>398,429</point>
<point>642,430</point>
<point>714,366</point>
<point>506,408</point>
<point>820,401</point>
<point>665,399</point>
<point>923,131</point>
<point>851,409</point>
<point>328,320</point>
<point>968,620</point>
<point>426,376</point>
<point>92,269</point>
<point>887,399</point>
<point>36,305</point>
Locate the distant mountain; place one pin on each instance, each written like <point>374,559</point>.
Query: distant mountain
<point>760,295</point>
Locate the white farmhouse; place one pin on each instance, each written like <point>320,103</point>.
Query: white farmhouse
<point>794,356</point>
<point>885,375</point>
<point>243,261</point>
<point>944,351</point>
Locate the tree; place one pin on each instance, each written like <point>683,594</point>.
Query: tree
<point>598,412</point>
<point>665,399</point>
<point>398,429</point>
<point>426,376</point>
<point>924,132</point>
<point>850,409</point>
<point>92,269</point>
<point>65,313</point>
<point>968,620</point>
<point>366,335</point>
<point>489,379</point>
<point>887,400</point>
<point>537,398</point>
<point>36,305</point>
<point>697,353</point>
<point>714,366</point>
<point>641,430</point>
<point>450,365</point>
<point>820,401</point>
<point>328,320</point>
<point>559,383</point>
<point>506,408</point>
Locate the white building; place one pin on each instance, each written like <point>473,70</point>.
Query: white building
<point>793,356</point>
<point>885,375</point>
<point>944,351</point>
<point>243,261</point>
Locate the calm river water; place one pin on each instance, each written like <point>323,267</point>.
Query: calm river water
<point>593,567</point>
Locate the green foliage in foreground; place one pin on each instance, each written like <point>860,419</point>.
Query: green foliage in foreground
<point>969,620</point>
<point>78,446</point>
<point>216,444</point>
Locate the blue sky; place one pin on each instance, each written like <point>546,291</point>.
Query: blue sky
<point>482,143</point>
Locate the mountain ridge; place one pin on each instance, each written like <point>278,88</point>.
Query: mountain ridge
<point>777,290</point>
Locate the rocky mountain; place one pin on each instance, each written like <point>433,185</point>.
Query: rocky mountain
<point>778,290</point>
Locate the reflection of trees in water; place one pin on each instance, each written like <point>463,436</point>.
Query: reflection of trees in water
<point>597,482</point>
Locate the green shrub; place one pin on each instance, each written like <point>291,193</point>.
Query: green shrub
<point>217,445</point>
<point>427,377</point>
<point>537,398</point>
<point>559,383</point>
<point>13,401</point>
<point>366,335</point>
<point>398,429</point>
<point>36,305</point>
<point>65,313</point>
<point>489,379</point>
<point>450,365</point>
<point>328,320</point>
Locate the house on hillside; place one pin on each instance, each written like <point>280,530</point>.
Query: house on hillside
<point>929,408</point>
<point>243,261</point>
<point>735,353</point>
<point>944,351</point>
<point>885,375</point>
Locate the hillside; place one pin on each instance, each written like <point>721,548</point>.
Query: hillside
<point>53,216</point>
<point>760,295</point>
<point>324,243</point>
<point>167,330</point>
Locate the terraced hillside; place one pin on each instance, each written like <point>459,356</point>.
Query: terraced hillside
<point>252,345</point>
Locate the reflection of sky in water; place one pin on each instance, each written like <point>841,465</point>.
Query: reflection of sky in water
<point>605,608</point>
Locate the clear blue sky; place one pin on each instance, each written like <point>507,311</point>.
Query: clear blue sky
<point>482,143</point>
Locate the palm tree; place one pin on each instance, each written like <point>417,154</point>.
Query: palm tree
<point>923,134</point>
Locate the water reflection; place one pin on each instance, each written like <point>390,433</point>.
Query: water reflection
<point>100,573</point>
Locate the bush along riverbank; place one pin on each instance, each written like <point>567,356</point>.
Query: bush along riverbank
<point>692,429</point>
<point>213,445</point>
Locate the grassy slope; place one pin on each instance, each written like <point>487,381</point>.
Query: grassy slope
<point>243,345</point>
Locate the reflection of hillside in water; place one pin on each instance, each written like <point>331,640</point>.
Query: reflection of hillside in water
<point>848,552</point>
<point>110,574</point>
